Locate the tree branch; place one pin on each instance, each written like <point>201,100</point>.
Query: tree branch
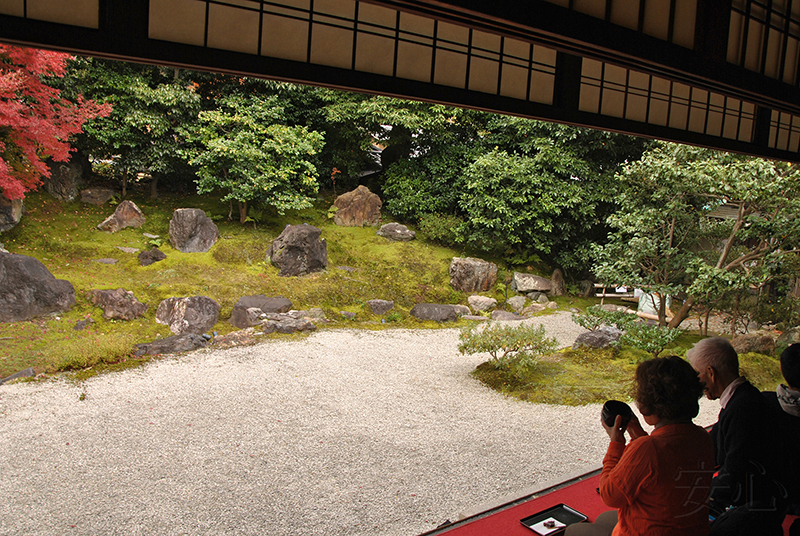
<point>729,244</point>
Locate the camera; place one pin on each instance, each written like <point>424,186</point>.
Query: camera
<point>612,408</point>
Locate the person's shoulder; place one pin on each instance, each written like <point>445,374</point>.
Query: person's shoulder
<point>698,433</point>
<point>747,394</point>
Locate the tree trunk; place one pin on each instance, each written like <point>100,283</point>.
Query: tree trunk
<point>682,313</point>
<point>242,212</point>
<point>662,310</point>
<point>154,186</point>
<point>124,183</point>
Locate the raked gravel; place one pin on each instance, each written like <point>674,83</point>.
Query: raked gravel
<point>345,432</point>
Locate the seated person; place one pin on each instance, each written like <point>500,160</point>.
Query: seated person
<point>747,496</point>
<point>659,482</point>
<point>786,405</point>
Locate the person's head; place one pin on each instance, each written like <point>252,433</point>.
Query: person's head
<point>790,366</point>
<point>716,364</point>
<point>668,387</point>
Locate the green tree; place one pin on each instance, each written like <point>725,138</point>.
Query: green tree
<point>519,207</point>
<point>153,108</point>
<point>249,154</point>
<point>521,189</point>
<point>699,224</point>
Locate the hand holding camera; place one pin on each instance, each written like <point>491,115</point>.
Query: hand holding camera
<point>615,417</point>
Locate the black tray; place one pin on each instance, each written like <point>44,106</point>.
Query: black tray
<point>561,513</point>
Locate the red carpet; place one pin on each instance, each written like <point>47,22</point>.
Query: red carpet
<point>504,521</point>
<point>581,496</point>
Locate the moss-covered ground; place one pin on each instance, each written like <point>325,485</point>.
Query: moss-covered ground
<point>583,376</point>
<point>361,266</point>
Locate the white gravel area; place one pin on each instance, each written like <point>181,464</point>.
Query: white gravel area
<point>343,433</point>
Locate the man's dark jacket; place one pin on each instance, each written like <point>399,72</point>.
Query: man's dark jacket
<point>747,451</point>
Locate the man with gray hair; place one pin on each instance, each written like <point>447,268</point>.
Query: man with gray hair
<point>746,495</point>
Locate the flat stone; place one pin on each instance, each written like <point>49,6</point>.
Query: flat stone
<point>172,345</point>
<point>478,318</point>
<point>242,337</point>
<point>396,232</point>
<point>505,315</point>
<point>524,283</point>
<point>481,303</point>
<point>434,311</point>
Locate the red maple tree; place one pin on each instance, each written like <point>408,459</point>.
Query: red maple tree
<point>36,122</point>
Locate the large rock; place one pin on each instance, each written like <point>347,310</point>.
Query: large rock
<point>28,289</point>
<point>481,303</point>
<point>191,231</point>
<point>469,274</point>
<point>524,283</point>
<point>171,345</point>
<point>557,281</point>
<point>118,304</point>
<point>380,307</point>
<point>517,303</point>
<point>461,310</point>
<point>396,232</point>
<point>599,338</point>
<point>127,214</point>
<point>97,196</point>
<point>759,342</point>
<point>148,257</point>
<point>66,178</point>
<point>586,288</point>
<point>248,310</point>
<point>533,309</point>
<point>286,323</point>
<point>10,212</point>
<point>357,208</point>
<point>298,251</point>
<point>434,311</point>
<point>188,315</point>
<point>790,336</point>
<point>538,297</point>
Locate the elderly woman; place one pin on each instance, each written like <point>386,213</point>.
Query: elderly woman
<point>658,482</point>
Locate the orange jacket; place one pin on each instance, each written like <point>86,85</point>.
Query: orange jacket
<point>660,482</point>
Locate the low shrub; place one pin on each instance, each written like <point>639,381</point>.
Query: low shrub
<point>595,316</point>
<point>515,348</point>
<point>649,338</point>
<point>443,228</point>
